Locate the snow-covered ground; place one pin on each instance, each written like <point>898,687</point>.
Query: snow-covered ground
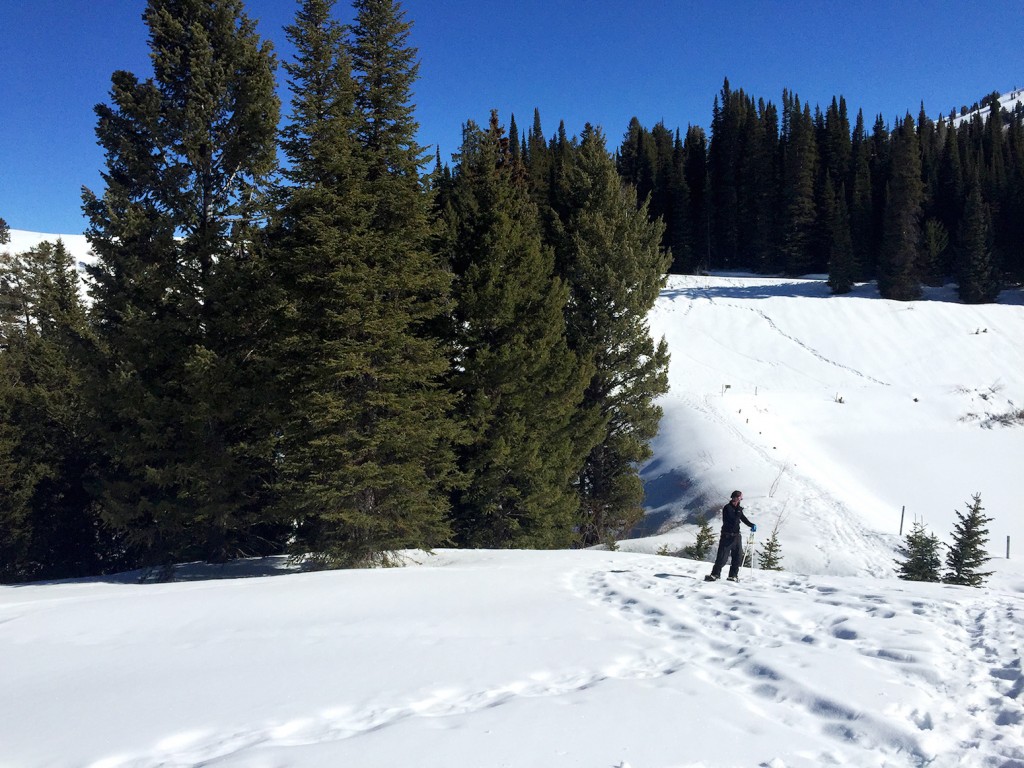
<point>516,659</point>
<point>829,413</point>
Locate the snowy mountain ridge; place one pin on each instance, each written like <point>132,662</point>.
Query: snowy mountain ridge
<point>1007,101</point>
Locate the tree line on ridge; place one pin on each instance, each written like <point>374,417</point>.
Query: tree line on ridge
<point>797,192</point>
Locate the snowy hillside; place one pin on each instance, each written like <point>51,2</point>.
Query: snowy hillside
<point>830,413</point>
<point>834,413</point>
<point>1007,101</point>
<point>76,245</point>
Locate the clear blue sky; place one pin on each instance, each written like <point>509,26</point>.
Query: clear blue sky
<point>598,61</point>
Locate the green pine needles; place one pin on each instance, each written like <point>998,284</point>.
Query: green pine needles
<point>703,544</point>
<point>920,555</point>
<point>967,556</point>
<point>920,558</point>
<point>769,556</point>
<point>366,437</point>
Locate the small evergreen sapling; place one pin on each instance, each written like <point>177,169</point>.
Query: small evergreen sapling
<point>705,541</point>
<point>769,558</point>
<point>920,555</point>
<point>967,555</point>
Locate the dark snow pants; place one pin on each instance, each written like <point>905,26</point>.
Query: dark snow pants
<point>729,544</point>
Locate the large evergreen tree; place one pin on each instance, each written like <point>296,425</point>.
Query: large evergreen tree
<point>177,286</point>
<point>637,160</point>
<point>879,166</point>
<point>367,453</point>
<point>519,381</point>
<point>681,242</point>
<point>900,254</point>
<point>609,255</point>
<point>695,160</point>
<point>315,238</point>
<point>930,144</point>
<point>538,162</point>
<point>842,264</point>
<point>862,234</point>
<point>724,159</point>
<point>798,214</point>
<point>949,190</point>
<point>837,145</point>
<point>967,555</point>
<point>978,276</point>
<point>755,183</point>
<point>660,205</point>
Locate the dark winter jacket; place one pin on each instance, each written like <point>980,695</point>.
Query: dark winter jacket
<point>731,517</point>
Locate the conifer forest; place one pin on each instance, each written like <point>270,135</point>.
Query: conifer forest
<point>306,334</point>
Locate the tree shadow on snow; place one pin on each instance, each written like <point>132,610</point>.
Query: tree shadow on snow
<point>671,497</point>
<point>750,286</point>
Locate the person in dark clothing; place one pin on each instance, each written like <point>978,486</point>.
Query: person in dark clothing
<point>731,542</point>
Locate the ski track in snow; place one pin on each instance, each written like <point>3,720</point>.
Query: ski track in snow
<point>204,748</point>
<point>691,294</point>
<point>810,350</point>
<point>775,665</point>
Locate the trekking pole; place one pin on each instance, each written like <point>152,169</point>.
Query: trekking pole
<point>750,552</point>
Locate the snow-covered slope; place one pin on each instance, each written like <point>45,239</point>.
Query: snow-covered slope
<point>833,413</point>
<point>77,245</point>
<point>1007,101</point>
